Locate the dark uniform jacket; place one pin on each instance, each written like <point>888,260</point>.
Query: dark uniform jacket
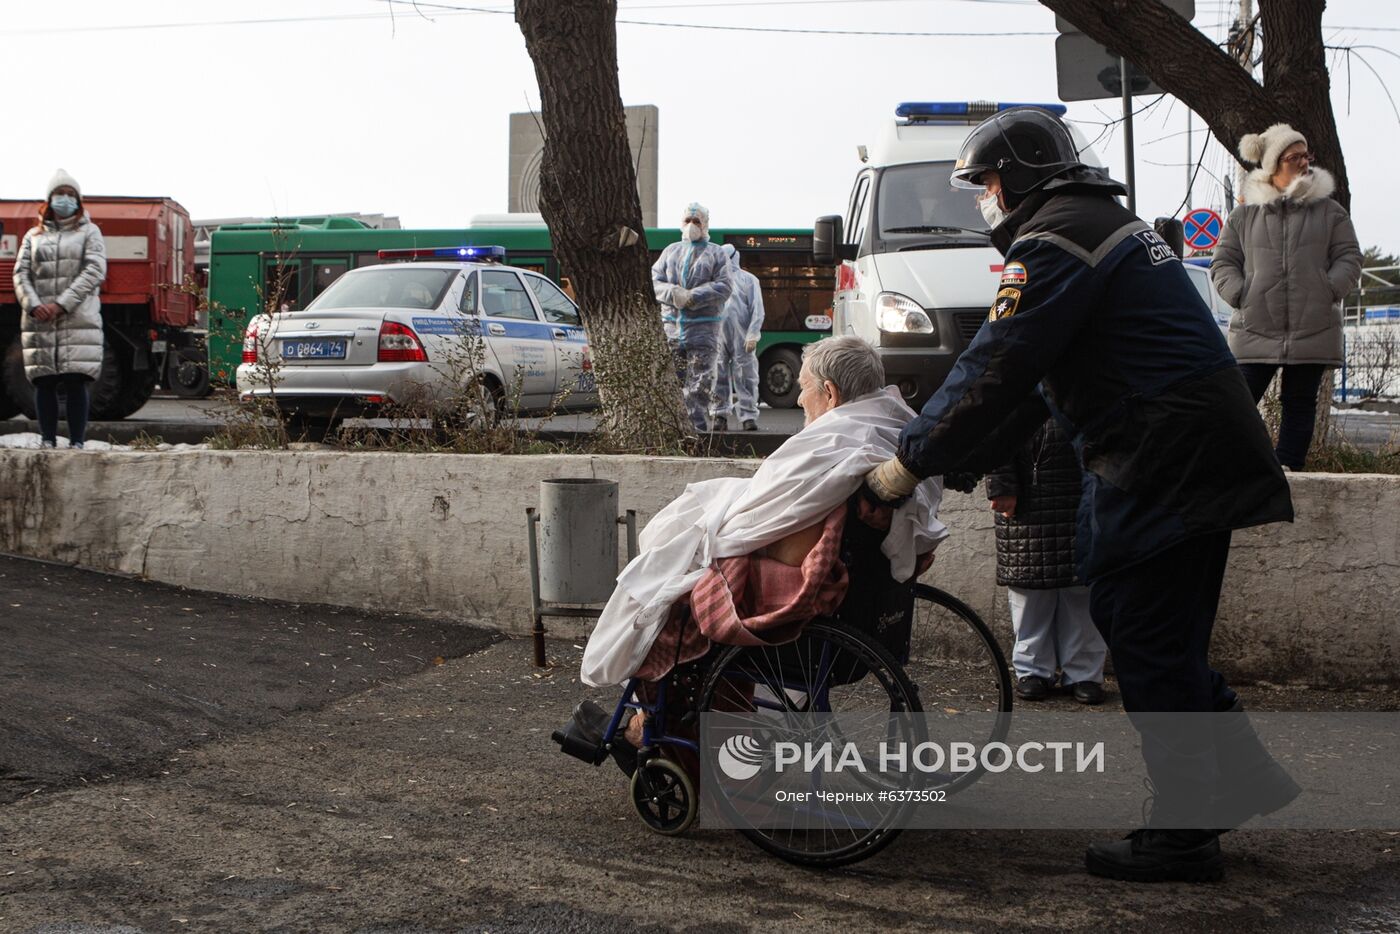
<point>1096,310</point>
<point>1035,546</point>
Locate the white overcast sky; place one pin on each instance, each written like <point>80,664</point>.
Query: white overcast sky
<point>345,110</point>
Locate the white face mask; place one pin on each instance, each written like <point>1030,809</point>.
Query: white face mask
<point>991,210</point>
<point>692,232</point>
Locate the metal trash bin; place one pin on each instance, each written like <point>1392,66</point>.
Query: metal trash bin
<point>578,540</point>
<point>573,550</point>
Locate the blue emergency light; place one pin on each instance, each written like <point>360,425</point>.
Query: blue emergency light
<point>482,254</point>
<point>973,110</point>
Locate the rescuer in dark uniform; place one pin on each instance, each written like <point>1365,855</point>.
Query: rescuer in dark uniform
<point>1096,322</point>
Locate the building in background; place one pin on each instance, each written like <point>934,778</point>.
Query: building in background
<point>527,150</point>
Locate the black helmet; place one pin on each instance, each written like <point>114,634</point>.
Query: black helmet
<point>1026,146</point>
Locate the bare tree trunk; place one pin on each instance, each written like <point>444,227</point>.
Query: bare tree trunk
<point>588,195</point>
<point>1187,65</point>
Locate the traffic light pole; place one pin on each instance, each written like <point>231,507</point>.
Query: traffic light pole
<point>1128,133</point>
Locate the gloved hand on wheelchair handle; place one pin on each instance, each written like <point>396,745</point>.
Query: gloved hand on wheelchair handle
<point>891,481</point>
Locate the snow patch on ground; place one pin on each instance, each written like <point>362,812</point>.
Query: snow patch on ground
<point>29,440</point>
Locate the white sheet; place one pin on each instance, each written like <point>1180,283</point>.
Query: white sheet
<point>813,472</point>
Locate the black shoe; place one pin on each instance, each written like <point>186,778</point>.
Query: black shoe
<point>721,424</point>
<point>750,425</point>
<point>1086,692</point>
<point>1033,688</point>
<point>1150,855</point>
<point>1251,782</point>
<point>582,737</point>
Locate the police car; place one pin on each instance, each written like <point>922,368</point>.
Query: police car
<point>423,330</point>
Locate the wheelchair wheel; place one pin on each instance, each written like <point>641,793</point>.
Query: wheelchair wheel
<point>832,669</point>
<point>664,797</point>
<point>962,673</point>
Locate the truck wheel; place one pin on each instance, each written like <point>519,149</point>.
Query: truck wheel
<point>187,373</point>
<point>777,377</point>
<point>9,408</point>
<point>107,392</point>
<point>133,392</point>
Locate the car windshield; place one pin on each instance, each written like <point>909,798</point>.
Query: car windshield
<point>917,200</point>
<point>405,286</point>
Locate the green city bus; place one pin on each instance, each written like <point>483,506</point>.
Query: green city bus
<point>285,263</point>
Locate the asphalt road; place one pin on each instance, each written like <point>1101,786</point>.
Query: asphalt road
<point>295,791</point>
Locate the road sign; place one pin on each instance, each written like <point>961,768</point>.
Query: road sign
<point>1201,229</point>
<point>1087,71</point>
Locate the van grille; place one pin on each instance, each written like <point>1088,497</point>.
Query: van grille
<point>968,323</point>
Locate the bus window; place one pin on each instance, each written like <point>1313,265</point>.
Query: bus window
<point>793,288</point>
<point>327,271</point>
<point>282,285</point>
<point>367,259</point>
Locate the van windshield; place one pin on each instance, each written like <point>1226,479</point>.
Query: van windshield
<point>918,200</point>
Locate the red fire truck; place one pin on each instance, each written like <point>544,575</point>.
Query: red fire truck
<point>149,301</point>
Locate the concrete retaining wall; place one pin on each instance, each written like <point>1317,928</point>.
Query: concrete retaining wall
<point>445,535</point>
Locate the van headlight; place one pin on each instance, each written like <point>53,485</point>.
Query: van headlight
<point>899,314</point>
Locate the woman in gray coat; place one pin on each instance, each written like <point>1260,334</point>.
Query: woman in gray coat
<point>59,269</point>
<point>1286,260</point>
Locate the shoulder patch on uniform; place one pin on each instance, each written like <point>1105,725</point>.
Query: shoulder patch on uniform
<point>1158,251</point>
<point>1013,274</point>
<point>1007,301</point>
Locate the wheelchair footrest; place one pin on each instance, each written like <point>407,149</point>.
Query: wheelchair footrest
<point>574,738</point>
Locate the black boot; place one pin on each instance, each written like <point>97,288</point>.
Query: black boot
<point>1153,855</point>
<point>721,423</point>
<point>1251,782</point>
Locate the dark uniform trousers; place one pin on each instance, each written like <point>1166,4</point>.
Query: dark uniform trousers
<point>1157,618</point>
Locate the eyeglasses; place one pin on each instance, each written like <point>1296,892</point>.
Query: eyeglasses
<point>1298,158</point>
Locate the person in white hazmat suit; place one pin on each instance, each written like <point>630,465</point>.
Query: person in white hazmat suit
<point>737,375</point>
<point>692,282</point>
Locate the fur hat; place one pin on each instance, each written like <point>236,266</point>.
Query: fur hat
<point>1264,149</point>
<point>61,178</point>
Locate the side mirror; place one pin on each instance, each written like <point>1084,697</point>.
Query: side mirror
<point>1171,230</point>
<point>827,233</point>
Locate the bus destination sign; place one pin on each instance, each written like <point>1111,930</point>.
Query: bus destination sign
<point>768,241</point>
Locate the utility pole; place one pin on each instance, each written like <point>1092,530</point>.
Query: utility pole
<point>1128,134</point>
<point>1245,52</point>
<point>1190,197</point>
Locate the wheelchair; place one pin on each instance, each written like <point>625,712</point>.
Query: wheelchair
<point>859,661</point>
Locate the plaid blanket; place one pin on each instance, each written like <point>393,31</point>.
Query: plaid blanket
<point>753,600</point>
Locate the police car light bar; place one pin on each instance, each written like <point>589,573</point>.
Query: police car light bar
<point>484,254</point>
<point>962,110</point>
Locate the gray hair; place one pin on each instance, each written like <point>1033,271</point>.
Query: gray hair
<point>849,362</point>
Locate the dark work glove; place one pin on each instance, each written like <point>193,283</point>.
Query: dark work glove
<point>962,482</point>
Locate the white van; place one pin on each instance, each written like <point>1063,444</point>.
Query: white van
<point>917,271</point>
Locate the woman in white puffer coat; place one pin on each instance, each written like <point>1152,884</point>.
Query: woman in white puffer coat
<point>58,272</point>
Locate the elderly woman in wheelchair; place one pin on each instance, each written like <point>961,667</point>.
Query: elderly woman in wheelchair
<point>788,590</point>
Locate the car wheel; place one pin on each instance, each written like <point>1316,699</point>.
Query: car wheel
<point>777,383</point>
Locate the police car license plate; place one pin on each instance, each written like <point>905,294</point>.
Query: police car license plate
<point>587,382</point>
<point>313,350</point>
